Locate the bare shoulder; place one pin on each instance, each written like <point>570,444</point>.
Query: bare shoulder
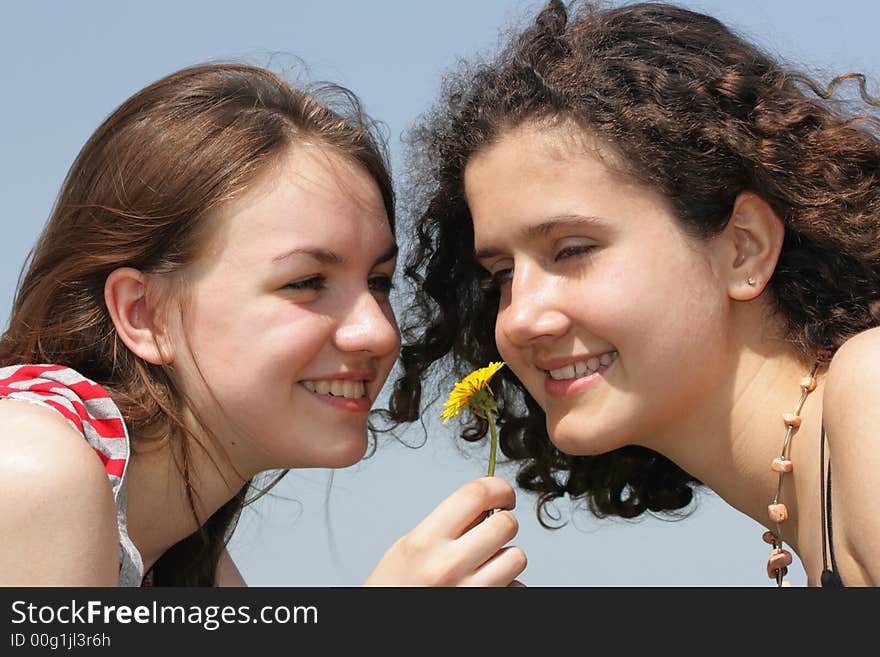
<point>852,383</point>
<point>57,512</point>
<point>856,362</point>
<point>851,413</point>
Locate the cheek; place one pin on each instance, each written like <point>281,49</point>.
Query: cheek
<point>253,337</point>
<point>215,314</point>
<point>673,316</point>
<point>290,340</point>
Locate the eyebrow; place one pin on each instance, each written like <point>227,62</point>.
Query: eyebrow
<point>543,229</point>
<point>327,257</point>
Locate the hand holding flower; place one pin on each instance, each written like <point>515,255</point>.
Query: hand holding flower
<point>458,544</point>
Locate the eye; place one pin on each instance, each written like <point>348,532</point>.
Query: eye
<point>573,251</point>
<point>311,283</point>
<point>494,281</point>
<point>381,284</point>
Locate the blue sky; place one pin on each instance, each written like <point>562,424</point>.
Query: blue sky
<point>68,65</point>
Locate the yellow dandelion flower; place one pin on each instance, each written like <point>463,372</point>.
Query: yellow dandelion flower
<point>472,391</point>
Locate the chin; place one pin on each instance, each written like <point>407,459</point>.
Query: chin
<point>343,454</point>
<point>573,446</point>
<point>573,438</point>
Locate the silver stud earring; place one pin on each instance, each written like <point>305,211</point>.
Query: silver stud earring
<point>753,281</point>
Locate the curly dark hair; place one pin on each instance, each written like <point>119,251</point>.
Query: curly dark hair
<point>697,114</point>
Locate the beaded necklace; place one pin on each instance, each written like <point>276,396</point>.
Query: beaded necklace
<point>780,558</point>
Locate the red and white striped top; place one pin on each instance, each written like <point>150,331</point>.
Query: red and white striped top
<point>89,409</point>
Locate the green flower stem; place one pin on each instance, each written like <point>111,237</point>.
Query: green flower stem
<point>493,445</point>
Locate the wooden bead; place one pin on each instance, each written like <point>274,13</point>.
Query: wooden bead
<point>780,557</point>
<point>770,537</point>
<point>772,573</point>
<point>808,383</point>
<point>778,512</point>
<point>781,465</point>
<point>791,420</point>
<point>786,583</point>
<point>779,560</point>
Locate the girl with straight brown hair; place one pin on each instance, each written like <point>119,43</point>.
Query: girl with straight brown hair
<point>208,301</point>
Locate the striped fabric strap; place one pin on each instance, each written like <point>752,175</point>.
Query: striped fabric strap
<point>91,412</point>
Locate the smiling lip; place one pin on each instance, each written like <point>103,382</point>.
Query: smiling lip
<point>548,364</point>
<point>364,375</point>
<point>357,405</point>
<point>351,404</point>
<point>571,387</point>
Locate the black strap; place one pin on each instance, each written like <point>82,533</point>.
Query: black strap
<point>828,577</point>
<point>823,499</point>
<point>828,513</point>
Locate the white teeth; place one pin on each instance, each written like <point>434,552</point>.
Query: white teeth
<point>583,367</point>
<point>337,388</point>
<point>566,372</point>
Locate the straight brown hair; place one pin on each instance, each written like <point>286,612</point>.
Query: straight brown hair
<point>138,195</point>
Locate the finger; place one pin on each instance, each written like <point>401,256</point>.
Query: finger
<point>501,570</point>
<point>484,540</point>
<point>468,505</point>
<point>476,521</point>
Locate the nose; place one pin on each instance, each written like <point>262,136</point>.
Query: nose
<point>368,326</point>
<point>534,310</point>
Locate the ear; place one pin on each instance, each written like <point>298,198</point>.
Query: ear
<point>134,316</point>
<point>753,240</point>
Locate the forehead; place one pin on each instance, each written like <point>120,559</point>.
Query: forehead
<point>308,193</point>
<point>540,150</point>
<point>535,174</point>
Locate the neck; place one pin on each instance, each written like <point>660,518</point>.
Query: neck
<point>730,441</point>
<point>160,512</point>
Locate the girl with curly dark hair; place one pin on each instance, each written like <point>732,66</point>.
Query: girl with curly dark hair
<point>678,244</point>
